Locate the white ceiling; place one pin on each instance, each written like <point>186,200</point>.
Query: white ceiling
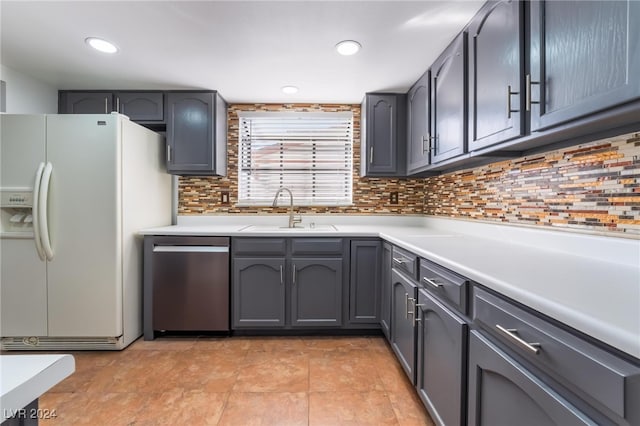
<point>247,50</point>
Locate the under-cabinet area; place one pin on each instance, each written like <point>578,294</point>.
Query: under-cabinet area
<point>466,349</point>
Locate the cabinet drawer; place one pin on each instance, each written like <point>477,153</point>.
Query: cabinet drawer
<point>259,246</point>
<point>590,371</point>
<point>447,285</point>
<point>405,261</point>
<point>316,246</point>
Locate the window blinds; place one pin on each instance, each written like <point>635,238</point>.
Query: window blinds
<point>309,153</point>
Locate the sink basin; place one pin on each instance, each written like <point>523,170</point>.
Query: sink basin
<point>300,228</point>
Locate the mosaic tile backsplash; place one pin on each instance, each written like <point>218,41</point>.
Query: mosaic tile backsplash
<point>589,187</point>
<point>593,186</point>
<point>201,195</point>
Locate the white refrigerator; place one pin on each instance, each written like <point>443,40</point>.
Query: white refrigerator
<point>75,189</point>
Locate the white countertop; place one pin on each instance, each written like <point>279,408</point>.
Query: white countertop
<point>591,283</point>
<point>24,378</point>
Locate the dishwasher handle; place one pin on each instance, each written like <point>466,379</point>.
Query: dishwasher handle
<point>190,249</point>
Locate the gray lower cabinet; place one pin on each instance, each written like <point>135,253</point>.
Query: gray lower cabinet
<point>504,392</point>
<point>403,330</point>
<point>418,135</point>
<point>364,283</point>
<point>385,290</point>
<point>383,144</point>
<point>258,292</point>
<point>441,360</point>
<point>448,98</point>
<point>287,282</point>
<point>196,133</point>
<point>316,292</point>
<point>584,58</point>
<point>496,64</point>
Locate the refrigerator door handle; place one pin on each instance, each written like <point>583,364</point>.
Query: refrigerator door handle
<point>43,211</point>
<point>36,211</point>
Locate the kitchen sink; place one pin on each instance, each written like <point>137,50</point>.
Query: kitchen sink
<point>309,227</point>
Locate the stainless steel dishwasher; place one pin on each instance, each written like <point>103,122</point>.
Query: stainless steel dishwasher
<point>190,284</point>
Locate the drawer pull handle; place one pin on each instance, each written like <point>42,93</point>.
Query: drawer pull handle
<point>432,281</point>
<point>511,334</point>
<point>399,261</point>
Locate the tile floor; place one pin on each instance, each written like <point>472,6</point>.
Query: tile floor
<point>239,381</point>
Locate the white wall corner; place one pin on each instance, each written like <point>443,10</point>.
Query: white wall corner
<point>26,94</point>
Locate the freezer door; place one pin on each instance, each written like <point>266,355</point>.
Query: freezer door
<point>85,273</point>
<point>23,283</point>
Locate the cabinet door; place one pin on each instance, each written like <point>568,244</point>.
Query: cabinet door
<point>495,69</point>
<point>380,150</point>
<point>86,102</point>
<point>503,392</point>
<point>385,286</point>
<point>364,285</point>
<point>448,89</point>
<point>418,125</point>
<point>258,292</point>
<point>316,292</point>
<point>141,106</point>
<point>441,360</point>
<point>190,133</point>
<point>584,58</point>
<point>403,331</point>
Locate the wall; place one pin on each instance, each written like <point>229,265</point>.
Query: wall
<point>27,95</point>
<point>589,187</point>
<point>201,195</point>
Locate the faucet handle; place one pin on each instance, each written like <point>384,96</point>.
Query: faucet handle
<point>296,219</point>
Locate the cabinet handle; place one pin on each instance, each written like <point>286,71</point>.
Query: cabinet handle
<point>106,105</point>
<point>281,275</point>
<point>528,100</point>
<point>511,334</point>
<point>294,274</point>
<point>117,104</point>
<point>406,305</point>
<point>509,94</point>
<point>432,282</point>
<point>371,155</point>
<point>416,318</point>
<point>168,153</point>
<point>398,260</point>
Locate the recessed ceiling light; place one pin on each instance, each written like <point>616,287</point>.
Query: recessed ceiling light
<point>348,47</point>
<point>289,90</point>
<point>101,45</point>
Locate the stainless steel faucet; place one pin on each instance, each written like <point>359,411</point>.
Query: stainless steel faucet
<point>292,219</point>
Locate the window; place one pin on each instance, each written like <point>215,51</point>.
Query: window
<point>309,153</point>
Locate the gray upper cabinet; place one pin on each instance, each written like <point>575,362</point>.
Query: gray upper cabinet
<point>364,285</point>
<point>403,330</point>
<point>316,292</point>
<point>584,58</point>
<point>85,102</point>
<point>258,292</point>
<point>496,65</point>
<point>383,145</point>
<point>503,392</point>
<point>196,133</point>
<point>448,91</point>
<point>141,106</point>
<point>418,136</point>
